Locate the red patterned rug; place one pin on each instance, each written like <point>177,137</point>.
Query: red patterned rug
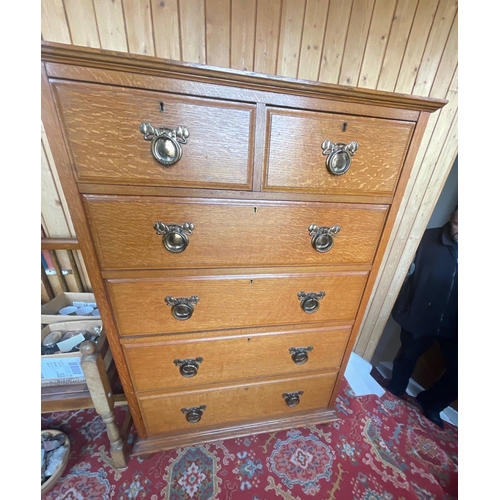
<point>379,449</point>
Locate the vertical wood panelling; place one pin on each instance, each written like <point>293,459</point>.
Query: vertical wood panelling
<point>266,36</point>
<point>218,26</point>
<point>415,46</point>
<point>312,39</point>
<point>405,46</point>
<point>418,202</point>
<point>55,219</point>
<point>438,37</point>
<point>82,22</point>
<point>165,16</point>
<point>337,25</point>
<point>376,43</point>
<point>292,22</point>
<point>111,25</point>
<point>400,29</point>
<point>192,22</point>
<point>356,41</point>
<point>448,63</point>
<point>139,26</point>
<point>53,22</point>
<point>243,14</point>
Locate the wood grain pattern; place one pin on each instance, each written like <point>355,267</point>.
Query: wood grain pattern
<point>82,22</point>
<point>312,39</point>
<point>292,21</point>
<point>95,65</point>
<point>223,228</point>
<point>54,24</point>
<point>218,32</point>
<point>102,126</point>
<point>139,26</point>
<point>335,40</point>
<point>415,45</point>
<point>438,36</point>
<point>237,403</point>
<point>62,161</point>
<point>356,41</point>
<point>165,15</point>
<point>193,31</point>
<point>409,35</point>
<point>243,14</point>
<point>111,25</point>
<point>252,269</point>
<point>153,368</point>
<point>267,30</point>
<point>174,440</point>
<point>376,44</point>
<point>396,45</point>
<point>409,228</point>
<point>245,301</point>
<point>294,161</point>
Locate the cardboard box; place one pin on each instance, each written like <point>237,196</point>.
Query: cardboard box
<point>65,368</point>
<point>50,311</point>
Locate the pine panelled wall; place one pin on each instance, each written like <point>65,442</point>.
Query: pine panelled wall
<point>405,46</point>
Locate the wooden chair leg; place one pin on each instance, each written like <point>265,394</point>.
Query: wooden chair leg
<point>102,398</point>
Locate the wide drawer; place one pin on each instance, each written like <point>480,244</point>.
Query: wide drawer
<point>231,233</point>
<point>165,413</point>
<point>102,126</point>
<point>213,302</point>
<point>295,159</point>
<point>171,363</point>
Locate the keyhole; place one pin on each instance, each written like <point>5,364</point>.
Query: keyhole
<point>344,127</point>
<point>254,210</point>
<point>162,107</point>
<point>251,282</point>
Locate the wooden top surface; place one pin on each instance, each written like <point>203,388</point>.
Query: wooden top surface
<point>120,61</point>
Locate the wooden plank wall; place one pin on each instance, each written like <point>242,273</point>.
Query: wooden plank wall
<point>407,46</point>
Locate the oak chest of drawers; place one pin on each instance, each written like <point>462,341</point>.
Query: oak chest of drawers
<point>232,225</point>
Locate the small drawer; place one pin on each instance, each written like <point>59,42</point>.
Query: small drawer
<point>213,302</point>
<point>231,233</point>
<point>296,156</point>
<point>168,364</point>
<point>103,130</point>
<point>194,410</point>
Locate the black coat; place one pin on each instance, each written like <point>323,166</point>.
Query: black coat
<point>428,301</point>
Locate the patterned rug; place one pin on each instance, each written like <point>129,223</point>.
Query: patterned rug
<point>379,449</point>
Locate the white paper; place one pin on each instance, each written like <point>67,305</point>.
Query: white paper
<point>67,345</point>
<point>62,368</point>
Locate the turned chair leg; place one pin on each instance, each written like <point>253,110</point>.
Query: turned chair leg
<point>102,398</point>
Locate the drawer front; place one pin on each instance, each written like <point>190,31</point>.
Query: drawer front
<point>237,403</point>
<point>102,128</point>
<point>126,239</point>
<point>295,160</point>
<point>171,364</point>
<point>141,308</point>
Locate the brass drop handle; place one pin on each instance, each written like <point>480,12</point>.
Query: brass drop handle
<point>322,237</point>
<point>300,354</point>
<point>194,414</point>
<point>310,301</point>
<point>175,237</point>
<point>182,307</point>
<point>292,398</point>
<point>165,142</point>
<point>339,156</point>
<point>188,367</point>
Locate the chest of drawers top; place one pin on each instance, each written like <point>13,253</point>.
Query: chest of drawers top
<point>227,130</point>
